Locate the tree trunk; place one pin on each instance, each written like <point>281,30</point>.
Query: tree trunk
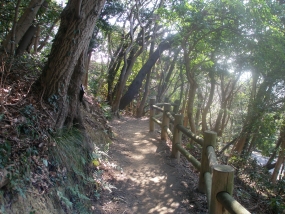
<point>9,43</point>
<point>23,25</point>
<point>184,106</point>
<point>254,114</point>
<point>85,79</point>
<point>137,82</point>
<point>166,81</point>
<point>26,40</point>
<point>113,68</point>
<point>190,109</point>
<point>145,94</point>
<point>278,164</point>
<point>209,103</point>
<point>37,39</point>
<point>72,39</point>
<point>280,159</point>
<point>200,101</point>
<point>273,155</point>
<point>43,43</point>
<point>74,117</point>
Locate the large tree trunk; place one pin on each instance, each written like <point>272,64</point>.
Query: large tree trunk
<point>23,25</point>
<point>72,39</point>
<point>137,82</point>
<point>74,117</point>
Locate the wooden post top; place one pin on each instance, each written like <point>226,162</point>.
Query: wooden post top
<point>223,168</point>
<point>167,106</point>
<point>210,132</point>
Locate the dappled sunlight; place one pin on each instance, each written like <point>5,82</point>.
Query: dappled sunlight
<point>158,179</point>
<point>152,182</point>
<point>137,157</point>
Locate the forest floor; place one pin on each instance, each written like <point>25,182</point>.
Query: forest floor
<point>149,180</point>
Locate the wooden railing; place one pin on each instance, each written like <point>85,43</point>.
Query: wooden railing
<point>216,180</point>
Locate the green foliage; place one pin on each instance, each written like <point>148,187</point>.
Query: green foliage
<point>7,15</point>
<point>267,136</point>
<point>72,154</point>
<point>260,181</point>
<point>28,126</point>
<point>20,175</point>
<point>107,110</point>
<point>32,63</point>
<point>78,186</point>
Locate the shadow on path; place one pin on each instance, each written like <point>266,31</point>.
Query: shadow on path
<point>150,180</point>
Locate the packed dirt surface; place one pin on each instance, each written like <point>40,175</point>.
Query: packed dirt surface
<point>146,178</point>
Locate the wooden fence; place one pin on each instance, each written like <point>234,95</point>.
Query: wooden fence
<point>216,180</point>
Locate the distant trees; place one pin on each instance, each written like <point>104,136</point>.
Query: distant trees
<point>24,27</point>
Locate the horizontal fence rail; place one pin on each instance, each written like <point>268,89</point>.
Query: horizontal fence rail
<point>215,180</point>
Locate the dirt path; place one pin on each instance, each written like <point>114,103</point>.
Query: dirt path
<point>150,181</point>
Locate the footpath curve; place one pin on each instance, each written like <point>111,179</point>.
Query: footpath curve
<point>150,181</point>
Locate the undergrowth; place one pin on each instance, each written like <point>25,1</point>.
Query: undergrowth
<point>253,182</point>
<point>72,164</point>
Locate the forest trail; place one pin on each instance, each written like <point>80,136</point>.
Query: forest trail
<point>150,180</point>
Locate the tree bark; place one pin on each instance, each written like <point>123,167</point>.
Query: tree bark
<point>72,39</point>
<point>137,82</point>
<point>74,117</point>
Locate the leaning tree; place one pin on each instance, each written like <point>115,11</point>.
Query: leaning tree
<point>62,75</point>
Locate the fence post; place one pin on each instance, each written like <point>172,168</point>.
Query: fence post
<point>165,121</point>
<point>209,140</point>
<point>151,114</point>
<point>176,136</point>
<point>222,181</point>
<point>176,106</point>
